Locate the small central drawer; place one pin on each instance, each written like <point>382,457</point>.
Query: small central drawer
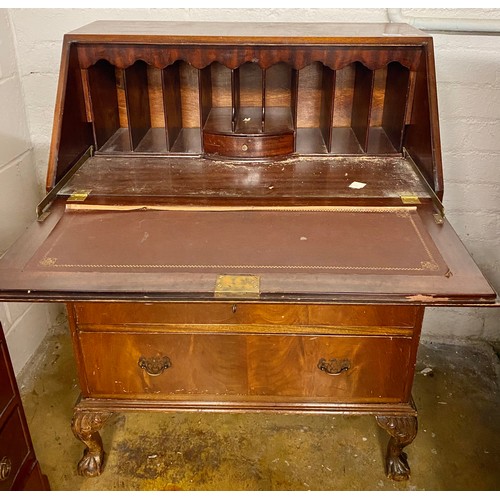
<point>241,146</point>
<point>252,366</point>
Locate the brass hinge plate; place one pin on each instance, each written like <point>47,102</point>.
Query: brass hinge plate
<point>80,195</point>
<point>237,286</point>
<point>410,199</point>
<point>438,218</point>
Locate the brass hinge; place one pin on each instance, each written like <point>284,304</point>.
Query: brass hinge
<point>438,218</point>
<point>410,199</point>
<point>80,195</point>
<point>237,286</point>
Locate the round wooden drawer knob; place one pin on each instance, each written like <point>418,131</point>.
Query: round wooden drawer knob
<point>244,147</point>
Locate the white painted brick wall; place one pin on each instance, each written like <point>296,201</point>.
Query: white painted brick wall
<point>468,77</point>
<point>18,195</point>
<point>15,133</point>
<point>25,325</point>
<point>474,166</point>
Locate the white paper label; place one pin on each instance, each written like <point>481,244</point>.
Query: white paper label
<point>357,185</point>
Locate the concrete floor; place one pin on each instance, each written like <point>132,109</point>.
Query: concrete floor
<point>457,447</point>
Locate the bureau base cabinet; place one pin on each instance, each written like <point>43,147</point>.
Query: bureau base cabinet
<point>245,217</point>
<point>246,357</point>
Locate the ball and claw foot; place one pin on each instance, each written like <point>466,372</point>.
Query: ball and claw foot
<point>91,464</point>
<point>402,431</point>
<point>397,468</point>
<point>85,426</point>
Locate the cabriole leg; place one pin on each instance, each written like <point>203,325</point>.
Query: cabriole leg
<point>402,431</point>
<point>85,426</point>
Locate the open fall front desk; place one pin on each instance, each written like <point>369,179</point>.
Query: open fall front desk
<point>245,218</point>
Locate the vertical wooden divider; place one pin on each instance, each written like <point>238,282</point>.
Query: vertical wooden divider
<point>86,95</point>
<point>410,97</point>
<point>362,104</point>
<point>395,103</point>
<point>104,101</point>
<point>263,98</point>
<point>294,84</point>
<point>136,92</point>
<point>235,97</point>
<point>205,86</point>
<point>172,104</point>
<point>327,106</point>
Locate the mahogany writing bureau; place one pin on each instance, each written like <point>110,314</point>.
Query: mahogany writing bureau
<point>245,217</point>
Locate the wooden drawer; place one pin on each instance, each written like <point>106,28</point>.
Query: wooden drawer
<point>245,146</point>
<point>14,448</point>
<point>7,392</point>
<point>268,318</point>
<point>375,369</point>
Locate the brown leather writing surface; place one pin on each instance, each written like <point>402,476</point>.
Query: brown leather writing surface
<point>358,240</point>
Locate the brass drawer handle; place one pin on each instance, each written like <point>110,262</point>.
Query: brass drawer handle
<point>154,366</point>
<point>5,468</point>
<point>334,366</point>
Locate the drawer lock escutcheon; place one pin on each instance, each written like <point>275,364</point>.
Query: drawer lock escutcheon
<point>334,366</point>
<point>154,366</point>
<point>5,468</point>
